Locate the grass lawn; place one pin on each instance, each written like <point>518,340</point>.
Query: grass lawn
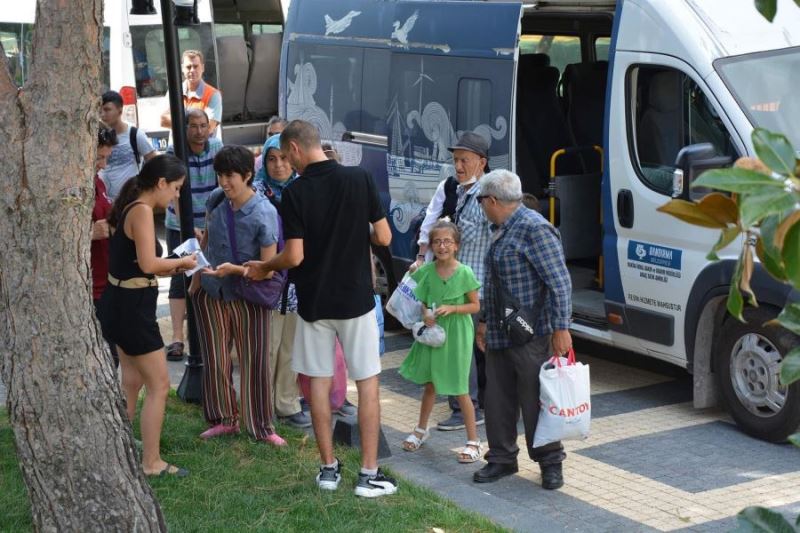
<point>238,484</point>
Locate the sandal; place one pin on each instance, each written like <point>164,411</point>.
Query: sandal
<point>471,452</point>
<point>413,443</point>
<point>175,351</point>
<point>171,470</point>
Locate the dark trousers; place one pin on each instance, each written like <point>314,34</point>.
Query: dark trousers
<point>177,287</point>
<point>512,383</point>
<point>477,377</point>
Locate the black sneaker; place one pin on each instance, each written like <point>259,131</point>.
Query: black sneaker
<point>552,478</point>
<point>329,478</point>
<point>375,486</point>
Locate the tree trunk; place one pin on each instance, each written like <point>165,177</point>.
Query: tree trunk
<point>73,440</point>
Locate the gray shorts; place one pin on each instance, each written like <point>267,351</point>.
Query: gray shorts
<point>315,350</point>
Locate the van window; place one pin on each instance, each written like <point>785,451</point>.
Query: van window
<point>377,64</point>
<point>670,111</point>
<point>229,30</point>
<point>17,39</point>
<point>601,47</point>
<point>327,79</point>
<point>474,103</point>
<point>562,49</point>
<point>149,60</point>
<point>258,29</point>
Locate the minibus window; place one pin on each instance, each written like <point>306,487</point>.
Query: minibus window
<point>258,29</point>
<point>474,103</point>
<point>771,99</point>
<point>562,49</point>
<point>327,77</point>
<point>150,63</point>
<point>17,39</point>
<point>601,46</point>
<point>377,63</point>
<point>229,30</point>
<point>671,111</point>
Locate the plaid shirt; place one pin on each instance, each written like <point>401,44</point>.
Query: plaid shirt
<point>476,234</point>
<point>528,259</point>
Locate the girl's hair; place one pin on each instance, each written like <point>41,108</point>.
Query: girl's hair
<point>235,158</point>
<point>445,225</point>
<point>165,166</point>
<point>106,137</point>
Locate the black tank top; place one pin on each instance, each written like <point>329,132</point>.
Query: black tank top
<point>122,262</point>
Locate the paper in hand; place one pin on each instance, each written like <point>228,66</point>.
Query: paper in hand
<point>189,247</point>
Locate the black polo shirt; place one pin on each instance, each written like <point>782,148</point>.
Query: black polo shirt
<point>330,207</point>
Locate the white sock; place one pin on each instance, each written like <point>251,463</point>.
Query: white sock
<point>369,472</point>
<point>332,465</point>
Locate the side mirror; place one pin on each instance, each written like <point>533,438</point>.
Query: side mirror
<point>692,161</point>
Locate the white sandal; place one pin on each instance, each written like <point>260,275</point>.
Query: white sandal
<point>413,443</point>
<point>471,452</point>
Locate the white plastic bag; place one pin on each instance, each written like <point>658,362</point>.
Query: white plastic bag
<point>403,305</point>
<point>430,335</point>
<point>565,401</point>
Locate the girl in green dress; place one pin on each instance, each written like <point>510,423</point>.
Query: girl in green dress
<point>451,288</point>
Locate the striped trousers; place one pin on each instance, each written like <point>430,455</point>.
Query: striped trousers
<point>222,325</point>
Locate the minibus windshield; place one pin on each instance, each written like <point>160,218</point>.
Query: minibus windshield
<point>767,86</point>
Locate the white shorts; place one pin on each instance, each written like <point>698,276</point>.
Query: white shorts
<point>315,349</point>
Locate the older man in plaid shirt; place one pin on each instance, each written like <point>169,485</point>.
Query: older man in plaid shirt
<point>527,259</point>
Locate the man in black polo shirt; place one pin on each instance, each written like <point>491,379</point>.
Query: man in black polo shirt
<point>330,215</point>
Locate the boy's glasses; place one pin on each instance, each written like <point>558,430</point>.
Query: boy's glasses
<point>443,242</point>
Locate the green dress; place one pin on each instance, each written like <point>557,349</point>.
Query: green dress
<point>447,367</point>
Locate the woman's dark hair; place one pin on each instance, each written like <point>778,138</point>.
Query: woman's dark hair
<point>106,137</point>
<point>235,158</point>
<point>165,166</point>
<point>445,225</point>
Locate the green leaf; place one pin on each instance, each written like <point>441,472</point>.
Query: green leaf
<point>790,318</point>
<point>795,439</point>
<point>690,213</point>
<point>754,207</point>
<point>764,520</point>
<point>735,300</point>
<point>791,254</point>
<point>774,150</point>
<point>768,253</point>
<point>736,180</point>
<point>767,8</point>
<point>771,260</point>
<point>790,367</point>
<point>726,237</point>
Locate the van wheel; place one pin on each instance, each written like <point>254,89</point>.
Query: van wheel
<point>747,364</point>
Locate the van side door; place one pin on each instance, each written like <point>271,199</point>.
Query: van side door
<point>452,70</point>
<point>661,105</point>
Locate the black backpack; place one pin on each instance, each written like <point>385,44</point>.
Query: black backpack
<point>133,131</point>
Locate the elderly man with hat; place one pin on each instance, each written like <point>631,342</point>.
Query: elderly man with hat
<point>455,198</point>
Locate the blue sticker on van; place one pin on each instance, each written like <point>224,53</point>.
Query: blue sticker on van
<point>654,254</point>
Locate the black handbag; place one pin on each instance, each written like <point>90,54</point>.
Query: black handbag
<point>516,321</point>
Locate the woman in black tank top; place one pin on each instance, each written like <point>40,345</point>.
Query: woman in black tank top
<point>129,300</point>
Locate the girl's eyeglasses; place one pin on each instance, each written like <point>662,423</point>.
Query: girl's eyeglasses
<point>443,242</point>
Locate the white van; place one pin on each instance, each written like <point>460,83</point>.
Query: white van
<point>591,102</point>
<point>134,58</point>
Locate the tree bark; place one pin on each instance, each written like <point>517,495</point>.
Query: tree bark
<point>73,439</point>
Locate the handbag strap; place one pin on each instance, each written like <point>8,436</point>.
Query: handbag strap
<point>502,294</point>
<point>232,232</point>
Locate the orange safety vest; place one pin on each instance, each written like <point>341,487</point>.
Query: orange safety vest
<point>201,103</point>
